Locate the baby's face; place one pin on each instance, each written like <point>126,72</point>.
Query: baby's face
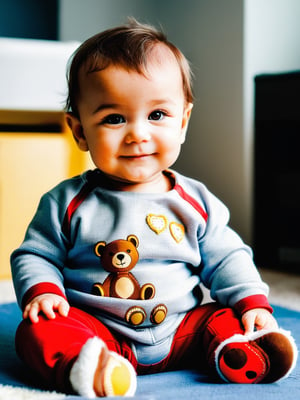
<point>132,124</point>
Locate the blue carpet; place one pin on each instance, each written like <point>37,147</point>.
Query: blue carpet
<point>187,385</point>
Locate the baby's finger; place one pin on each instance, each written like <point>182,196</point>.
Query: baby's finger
<point>26,312</point>
<point>33,313</point>
<point>63,308</point>
<point>248,321</point>
<point>47,308</point>
<point>270,324</point>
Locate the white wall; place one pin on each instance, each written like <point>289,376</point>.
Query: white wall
<point>81,19</point>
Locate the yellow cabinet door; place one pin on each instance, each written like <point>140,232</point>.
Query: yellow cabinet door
<point>31,163</point>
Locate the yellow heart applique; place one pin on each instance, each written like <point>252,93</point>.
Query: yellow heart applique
<point>177,231</point>
<point>158,223</point>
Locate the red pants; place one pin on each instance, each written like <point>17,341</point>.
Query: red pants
<point>51,347</point>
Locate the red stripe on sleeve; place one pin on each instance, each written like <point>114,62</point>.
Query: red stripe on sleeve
<point>38,289</point>
<point>251,302</point>
<point>72,207</point>
<point>191,201</point>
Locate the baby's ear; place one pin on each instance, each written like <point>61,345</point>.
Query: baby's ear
<point>77,130</point>
<point>185,120</point>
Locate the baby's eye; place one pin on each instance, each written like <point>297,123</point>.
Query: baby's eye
<point>114,119</point>
<point>157,115</point>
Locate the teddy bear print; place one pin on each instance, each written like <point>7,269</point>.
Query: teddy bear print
<point>119,258</point>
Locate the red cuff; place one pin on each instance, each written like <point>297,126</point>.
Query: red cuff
<point>41,288</point>
<point>255,301</point>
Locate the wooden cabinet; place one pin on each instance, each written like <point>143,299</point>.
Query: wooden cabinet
<point>37,151</point>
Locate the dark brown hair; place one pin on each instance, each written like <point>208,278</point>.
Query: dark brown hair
<point>129,46</point>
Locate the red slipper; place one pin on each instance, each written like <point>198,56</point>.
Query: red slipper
<point>264,356</point>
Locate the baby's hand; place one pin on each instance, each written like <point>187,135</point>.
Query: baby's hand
<point>46,303</point>
<point>258,318</point>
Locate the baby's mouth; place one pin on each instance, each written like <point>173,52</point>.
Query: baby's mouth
<point>137,156</point>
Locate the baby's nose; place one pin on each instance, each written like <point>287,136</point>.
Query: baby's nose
<point>138,133</point>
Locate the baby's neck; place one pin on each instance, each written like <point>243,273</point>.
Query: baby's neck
<point>160,184</point>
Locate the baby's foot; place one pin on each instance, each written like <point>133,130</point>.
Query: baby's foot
<point>264,356</point>
<point>99,372</point>
<point>114,375</point>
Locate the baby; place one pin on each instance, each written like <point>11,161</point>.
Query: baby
<point>108,274</point>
